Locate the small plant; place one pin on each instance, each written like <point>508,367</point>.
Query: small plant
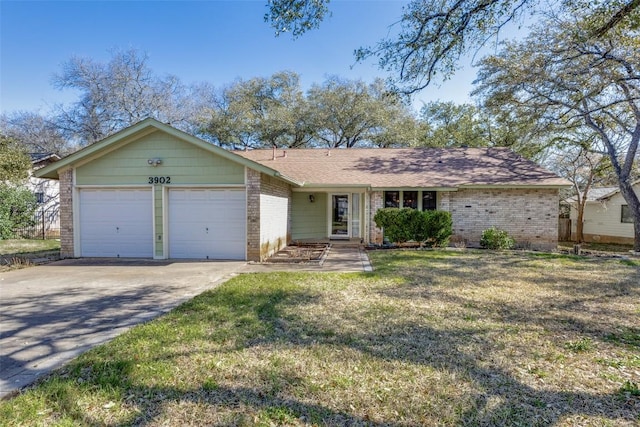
<point>579,346</point>
<point>630,387</point>
<point>495,238</point>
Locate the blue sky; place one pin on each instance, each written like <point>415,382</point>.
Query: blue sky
<point>212,41</point>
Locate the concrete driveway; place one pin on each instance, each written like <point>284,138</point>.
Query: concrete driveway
<point>52,313</point>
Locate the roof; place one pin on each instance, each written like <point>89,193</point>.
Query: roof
<point>143,128</point>
<point>40,157</point>
<point>40,160</point>
<point>597,194</point>
<point>407,167</point>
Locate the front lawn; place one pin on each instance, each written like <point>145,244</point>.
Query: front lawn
<point>430,338</point>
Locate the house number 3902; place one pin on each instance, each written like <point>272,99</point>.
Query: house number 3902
<point>159,180</point>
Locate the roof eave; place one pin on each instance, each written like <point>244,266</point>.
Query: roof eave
<point>518,186</point>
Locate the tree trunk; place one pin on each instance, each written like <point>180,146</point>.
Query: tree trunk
<point>580,224</point>
<point>636,234</point>
<point>634,206</point>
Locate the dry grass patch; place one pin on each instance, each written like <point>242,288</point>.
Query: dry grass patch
<point>20,246</point>
<point>431,338</point>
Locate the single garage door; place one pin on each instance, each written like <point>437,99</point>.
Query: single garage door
<point>207,224</point>
<point>116,223</point>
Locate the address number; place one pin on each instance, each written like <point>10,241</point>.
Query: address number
<point>159,180</point>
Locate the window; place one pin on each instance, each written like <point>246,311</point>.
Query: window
<point>625,214</point>
<point>39,197</point>
<point>391,199</point>
<point>428,200</point>
<point>410,199</point>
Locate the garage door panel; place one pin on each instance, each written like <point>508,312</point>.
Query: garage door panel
<point>207,224</point>
<point>116,223</point>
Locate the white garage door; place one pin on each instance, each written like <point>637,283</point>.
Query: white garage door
<point>116,223</point>
<point>207,224</point>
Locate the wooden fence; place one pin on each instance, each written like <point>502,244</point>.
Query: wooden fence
<point>564,229</point>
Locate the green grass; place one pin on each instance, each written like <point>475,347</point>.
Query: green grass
<point>22,246</point>
<point>439,338</point>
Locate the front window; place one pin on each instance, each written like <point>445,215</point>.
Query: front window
<point>625,215</point>
<point>391,199</point>
<point>428,200</point>
<point>410,199</point>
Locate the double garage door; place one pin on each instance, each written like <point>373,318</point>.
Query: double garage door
<point>201,223</point>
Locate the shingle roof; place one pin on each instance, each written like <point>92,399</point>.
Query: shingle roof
<point>407,167</point>
<point>596,193</point>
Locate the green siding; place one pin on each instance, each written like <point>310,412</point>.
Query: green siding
<point>159,236</point>
<point>183,162</point>
<point>309,220</point>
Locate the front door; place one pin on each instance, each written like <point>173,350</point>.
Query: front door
<point>339,228</point>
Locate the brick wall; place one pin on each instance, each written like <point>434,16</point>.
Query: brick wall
<point>275,215</point>
<point>376,201</point>
<point>268,215</point>
<point>253,215</point>
<point>530,216</point>
<point>66,214</point>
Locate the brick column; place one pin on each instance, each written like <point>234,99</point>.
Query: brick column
<point>253,215</point>
<point>375,202</point>
<point>66,214</point>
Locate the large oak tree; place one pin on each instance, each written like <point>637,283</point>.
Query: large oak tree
<point>433,35</point>
<point>562,77</point>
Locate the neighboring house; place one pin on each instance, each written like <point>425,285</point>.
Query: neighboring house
<point>607,218</point>
<point>47,192</point>
<point>154,191</point>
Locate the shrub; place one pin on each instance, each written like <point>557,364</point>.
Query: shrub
<point>16,210</point>
<point>494,238</point>
<point>402,225</point>
<point>439,228</point>
<point>394,222</point>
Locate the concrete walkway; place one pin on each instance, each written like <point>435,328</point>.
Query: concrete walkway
<point>51,313</point>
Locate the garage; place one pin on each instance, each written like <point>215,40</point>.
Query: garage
<point>206,223</point>
<point>116,223</point>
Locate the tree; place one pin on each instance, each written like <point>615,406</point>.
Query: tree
<point>339,113</point>
<point>260,112</point>
<point>350,113</point>
<point>455,125</point>
<point>33,132</point>
<point>583,169</point>
<point>562,77</point>
<point>116,95</point>
<point>17,203</point>
<point>434,35</point>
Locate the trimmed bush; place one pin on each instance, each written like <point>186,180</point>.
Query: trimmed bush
<point>403,225</point>
<point>439,228</point>
<point>495,238</point>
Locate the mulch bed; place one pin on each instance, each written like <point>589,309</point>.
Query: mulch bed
<point>301,253</point>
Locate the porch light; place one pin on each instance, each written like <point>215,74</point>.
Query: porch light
<point>154,162</point>
<point>312,198</point>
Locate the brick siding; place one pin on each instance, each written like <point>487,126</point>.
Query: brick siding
<point>261,185</point>
<point>66,214</point>
<point>530,216</point>
<point>376,201</point>
<point>275,214</point>
<point>253,215</point>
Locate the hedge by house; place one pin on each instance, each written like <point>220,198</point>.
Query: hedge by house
<point>432,228</point>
